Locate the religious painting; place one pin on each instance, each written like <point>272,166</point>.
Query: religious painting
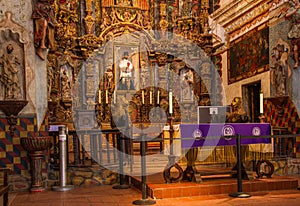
<point>126,62</point>
<point>249,55</point>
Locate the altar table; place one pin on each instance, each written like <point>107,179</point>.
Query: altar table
<point>198,135</point>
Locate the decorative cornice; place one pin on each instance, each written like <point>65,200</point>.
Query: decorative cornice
<point>239,13</point>
<point>253,23</point>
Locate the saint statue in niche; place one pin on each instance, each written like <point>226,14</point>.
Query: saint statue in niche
<point>126,73</point>
<point>65,86</point>
<point>187,79</point>
<point>10,67</point>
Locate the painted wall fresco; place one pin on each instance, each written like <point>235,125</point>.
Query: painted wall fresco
<point>249,55</point>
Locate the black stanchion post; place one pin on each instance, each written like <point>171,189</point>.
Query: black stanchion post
<point>239,193</point>
<point>144,200</point>
<point>120,146</point>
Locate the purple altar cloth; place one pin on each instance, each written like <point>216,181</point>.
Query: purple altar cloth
<point>198,135</point>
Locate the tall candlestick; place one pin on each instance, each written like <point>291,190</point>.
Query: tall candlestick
<point>106,96</point>
<point>170,103</point>
<point>261,102</point>
<point>143,97</point>
<point>150,97</point>
<point>99,96</point>
<point>158,97</point>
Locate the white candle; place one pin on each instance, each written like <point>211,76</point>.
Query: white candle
<point>150,97</point>
<point>170,103</point>
<point>158,97</point>
<point>106,96</point>
<point>261,102</point>
<point>115,97</point>
<point>143,97</point>
<point>99,96</point>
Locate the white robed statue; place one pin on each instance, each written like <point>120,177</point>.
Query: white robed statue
<point>126,73</point>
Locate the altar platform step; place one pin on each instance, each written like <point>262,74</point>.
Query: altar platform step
<point>158,189</point>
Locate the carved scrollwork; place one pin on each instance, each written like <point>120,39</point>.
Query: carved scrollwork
<point>125,14</point>
<point>88,44</point>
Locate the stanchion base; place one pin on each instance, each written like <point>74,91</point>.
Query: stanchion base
<point>239,195</point>
<point>144,202</point>
<point>63,188</point>
<point>121,186</point>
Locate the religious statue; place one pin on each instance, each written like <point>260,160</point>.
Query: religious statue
<point>126,74</point>
<point>44,23</point>
<point>186,84</point>
<point>279,71</point>
<point>65,86</point>
<point>109,79</point>
<point>294,33</point>
<point>10,67</point>
<point>237,114</point>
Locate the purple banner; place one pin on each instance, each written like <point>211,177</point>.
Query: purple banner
<point>198,135</point>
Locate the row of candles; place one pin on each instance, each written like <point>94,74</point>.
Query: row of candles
<point>143,98</point>
<point>106,96</point>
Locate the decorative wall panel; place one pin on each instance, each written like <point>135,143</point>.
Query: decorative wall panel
<point>12,154</point>
<point>288,119</point>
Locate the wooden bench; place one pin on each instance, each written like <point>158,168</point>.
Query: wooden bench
<point>4,188</point>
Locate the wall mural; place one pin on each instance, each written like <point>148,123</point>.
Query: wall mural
<point>249,55</point>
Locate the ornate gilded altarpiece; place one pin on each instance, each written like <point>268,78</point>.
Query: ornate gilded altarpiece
<point>84,73</point>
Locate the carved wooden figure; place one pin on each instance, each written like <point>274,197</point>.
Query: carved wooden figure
<point>44,24</point>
